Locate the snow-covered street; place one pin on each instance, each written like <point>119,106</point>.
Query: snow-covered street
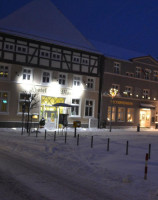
<point>34,168</point>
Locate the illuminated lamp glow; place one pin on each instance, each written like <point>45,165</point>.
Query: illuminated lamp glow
<point>54,89</point>
<point>77,91</point>
<point>4,101</point>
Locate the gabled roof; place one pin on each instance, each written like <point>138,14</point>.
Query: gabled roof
<point>115,51</point>
<point>146,59</point>
<point>41,20</point>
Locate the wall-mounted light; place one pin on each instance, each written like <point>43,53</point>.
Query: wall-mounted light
<point>154,99</point>
<point>137,95</point>
<point>143,97</point>
<point>148,97</point>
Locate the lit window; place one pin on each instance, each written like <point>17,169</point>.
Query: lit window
<point>75,110</point>
<point>3,101</point>
<point>117,68</point>
<point>128,91</point>
<point>113,116</point>
<point>89,108</point>
<point>46,77</point>
<point>76,81</point>
<point>4,71</point>
<point>62,79</point>
<point>130,115</point>
<point>27,74</point>
<point>121,114</point>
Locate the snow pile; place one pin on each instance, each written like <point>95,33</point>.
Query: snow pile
<point>112,172</point>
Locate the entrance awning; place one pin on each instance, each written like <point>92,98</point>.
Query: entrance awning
<point>144,105</point>
<point>62,105</point>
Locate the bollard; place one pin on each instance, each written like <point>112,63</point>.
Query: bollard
<point>65,137</point>
<point>92,142</point>
<point>54,135</point>
<point>149,152</point>
<point>45,135</point>
<point>36,132</point>
<point>77,139</point>
<point>146,166</point>
<point>138,128</point>
<point>108,144</point>
<point>75,132</point>
<point>127,148</point>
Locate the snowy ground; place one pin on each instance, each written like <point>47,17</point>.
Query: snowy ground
<point>67,171</point>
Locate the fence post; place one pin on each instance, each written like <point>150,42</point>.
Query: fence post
<point>149,150</point>
<point>45,135</point>
<point>54,135</point>
<point>92,142</point>
<point>108,144</point>
<point>77,139</point>
<point>127,148</point>
<point>146,166</point>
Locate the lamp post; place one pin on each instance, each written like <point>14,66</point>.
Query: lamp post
<point>113,93</point>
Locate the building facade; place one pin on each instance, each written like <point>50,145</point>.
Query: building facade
<point>136,81</point>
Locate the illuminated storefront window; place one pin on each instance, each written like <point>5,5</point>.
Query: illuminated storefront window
<point>130,115</point>
<point>113,113</point>
<point>3,101</point>
<point>121,114</point>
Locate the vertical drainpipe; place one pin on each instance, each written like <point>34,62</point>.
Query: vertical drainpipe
<point>101,74</point>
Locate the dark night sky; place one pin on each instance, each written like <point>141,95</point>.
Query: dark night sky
<point>131,24</point>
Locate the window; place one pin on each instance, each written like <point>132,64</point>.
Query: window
<point>130,74</point>
<point>146,73</point>
<point>4,71</point>
<point>75,110</point>
<point>116,67</point>
<point>155,75</point>
<point>46,77</point>
<point>76,81</point>
<point>85,61</point>
<point>27,73</point>
<point>90,83</point>
<point>138,72</point>
<point>116,86</point>
<point>130,115</point>
<point>3,102</point>
<point>62,79</point>
<point>76,59</point>
<point>9,46</point>
<point>113,114</point>
<point>128,91</point>
<point>121,114</point>
<point>89,108</point>
<point>21,49</point>
<point>56,56</point>
<point>146,93</point>
<point>24,99</point>
<point>44,54</point>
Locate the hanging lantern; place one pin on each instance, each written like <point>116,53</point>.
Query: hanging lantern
<point>113,92</point>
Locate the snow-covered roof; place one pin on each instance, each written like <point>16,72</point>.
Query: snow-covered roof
<point>41,20</point>
<point>115,51</point>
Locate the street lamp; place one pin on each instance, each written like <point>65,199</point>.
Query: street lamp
<point>113,93</point>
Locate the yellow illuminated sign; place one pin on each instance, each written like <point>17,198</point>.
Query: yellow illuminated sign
<point>123,103</point>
